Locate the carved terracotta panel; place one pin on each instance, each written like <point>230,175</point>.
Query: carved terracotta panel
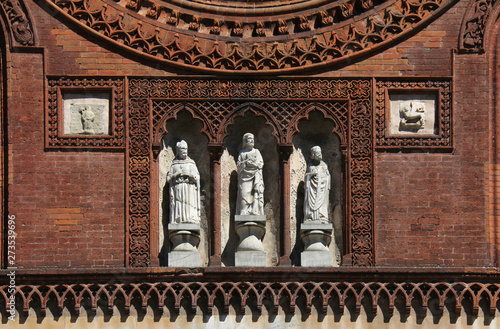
<point>93,93</point>
<point>283,103</point>
<point>274,36</point>
<point>428,125</point>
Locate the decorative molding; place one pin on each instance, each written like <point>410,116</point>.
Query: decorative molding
<point>282,103</point>
<point>271,41</point>
<point>57,86</point>
<point>474,25</point>
<point>198,294</point>
<point>443,137</point>
<point>19,21</point>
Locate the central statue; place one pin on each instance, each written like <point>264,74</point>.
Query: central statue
<point>250,180</point>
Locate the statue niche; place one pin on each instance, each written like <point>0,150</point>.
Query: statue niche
<point>316,187</point>
<point>183,181</point>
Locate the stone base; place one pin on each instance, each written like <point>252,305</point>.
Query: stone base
<point>316,238</point>
<point>185,238</point>
<point>250,258</point>
<point>184,259</point>
<point>316,259</point>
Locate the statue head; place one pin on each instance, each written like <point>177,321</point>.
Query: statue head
<point>182,150</point>
<point>316,153</point>
<point>248,141</point>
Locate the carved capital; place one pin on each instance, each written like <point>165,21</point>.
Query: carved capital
<point>285,150</point>
<point>215,150</point>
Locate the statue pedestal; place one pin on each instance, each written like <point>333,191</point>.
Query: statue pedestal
<point>251,230</point>
<point>185,238</point>
<point>316,238</point>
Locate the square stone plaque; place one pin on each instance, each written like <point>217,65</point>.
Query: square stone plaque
<point>86,113</point>
<point>412,114</point>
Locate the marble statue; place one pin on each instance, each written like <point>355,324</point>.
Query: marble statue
<point>250,180</point>
<point>88,117</point>
<point>184,180</point>
<point>317,188</point>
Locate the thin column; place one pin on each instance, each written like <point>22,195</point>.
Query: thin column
<point>285,150</point>
<point>215,150</point>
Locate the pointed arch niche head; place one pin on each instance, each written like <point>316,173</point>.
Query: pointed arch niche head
<point>188,127</point>
<point>253,118</point>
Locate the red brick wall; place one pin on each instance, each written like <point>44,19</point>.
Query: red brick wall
<point>430,208</point>
<point>69,206</point>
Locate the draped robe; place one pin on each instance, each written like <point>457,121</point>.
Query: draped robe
<point>250,183</point>
<point>184,180</point>
<point>317,190</point>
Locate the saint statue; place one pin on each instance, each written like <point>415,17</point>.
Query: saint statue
<point>184,180</point>
<point>317,188</point>
<point>250,180</point>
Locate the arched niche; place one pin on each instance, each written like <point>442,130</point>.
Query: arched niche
<point>315,130</point>
<point>248,122</point>
<point>183,127</point>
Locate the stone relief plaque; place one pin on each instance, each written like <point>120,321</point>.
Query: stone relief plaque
<point>412,114</point>
<point>86,113</point>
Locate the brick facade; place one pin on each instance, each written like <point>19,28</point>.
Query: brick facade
<point>432,208</point>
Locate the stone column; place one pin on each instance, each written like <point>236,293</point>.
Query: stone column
<point>285,150</point>
<point>215,150</point>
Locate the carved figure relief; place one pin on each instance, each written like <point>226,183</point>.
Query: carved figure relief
<point>86,114</point>
<point>64,124</point>
<point>184,180</point>
<point>317,189</point>
<point>88,117</point>
<point>250,180</point>
<point>412,116</point>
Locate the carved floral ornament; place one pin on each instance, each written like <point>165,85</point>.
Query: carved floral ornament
<point>474,25</point>
<point>19,21</point>
<point>271,36</point>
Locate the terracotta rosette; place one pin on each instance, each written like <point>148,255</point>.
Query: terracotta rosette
<point>251,36</point>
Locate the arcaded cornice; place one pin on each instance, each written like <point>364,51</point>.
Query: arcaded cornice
<point>166,289</point>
